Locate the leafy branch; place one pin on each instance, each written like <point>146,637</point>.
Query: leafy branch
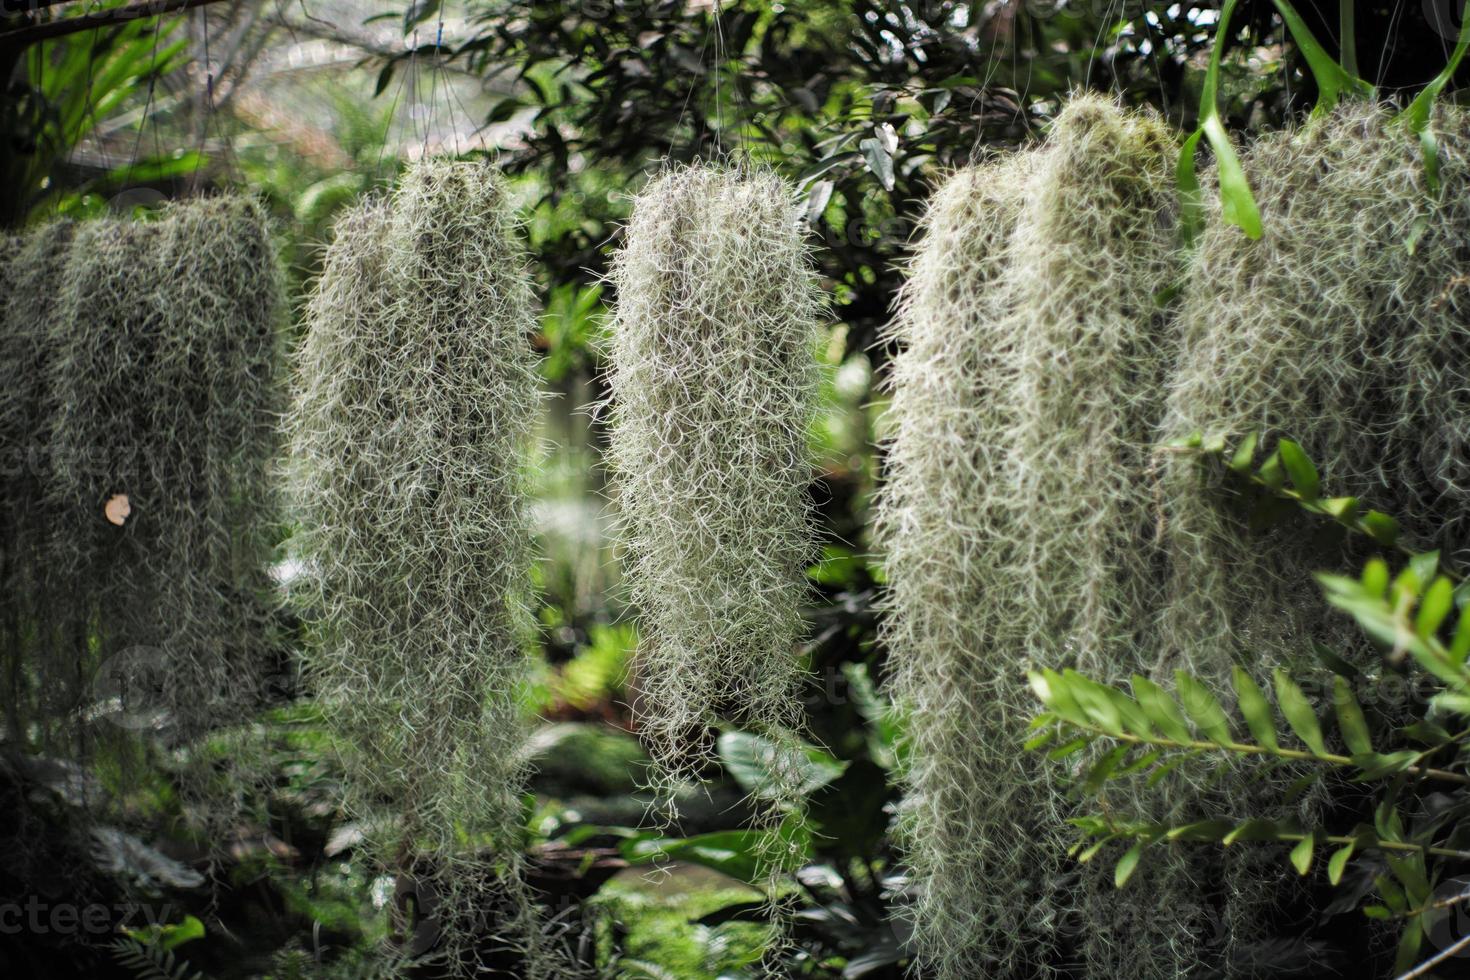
<point>1417,613</point>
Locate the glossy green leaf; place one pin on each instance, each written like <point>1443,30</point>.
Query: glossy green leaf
<point>1419,113</point>
<point>1301,855</point>
<point>1331,78</point>
<point>1425,566</point>
<point>1237,205</point>
<point>1202,708</point>
<point>1298,713</point>
<point>1460,645</point>
<point>1304,476</point>
<point>1338,862</point>
<point>1350,720</point>
<point>1127,864</point>
<point>1344,510</point>
<point>1375,577</point>
<point>1254,708</point>
<point>1245,453</point>
<point>1271,473</point>
<point>1161,709</point>
<point>1438,600</point>
<point>1381,527</point>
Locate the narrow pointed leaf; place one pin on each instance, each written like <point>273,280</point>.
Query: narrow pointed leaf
<point>1254,708</point>
<point>1299,467</point>
<point>1127,864</point>
<point>1381,527</point>
<point>1298,712</point>
<point>1338,862</point>
<point>1161,709</point>
<point>1301,855</point>
<point>1350,720</point>
<point>1202,708</point>
<point>1245,453</point>
<point>1438,600</point>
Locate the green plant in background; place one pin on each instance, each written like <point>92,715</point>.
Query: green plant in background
<point>69,86</point>
<point>713,383</point>
<point>416,401</point>
<point>1400,776</point>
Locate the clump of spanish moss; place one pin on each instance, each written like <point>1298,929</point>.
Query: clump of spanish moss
<point>1017,532</point>
<point>1343,327</point>
<point>150,360</point>
<point>713,384</point>
<point>33,277</point>
<point>417,396</point>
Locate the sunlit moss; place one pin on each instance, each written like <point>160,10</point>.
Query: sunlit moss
<point>417,394</point>
<point>1017,530</point>
<point>713,381</point>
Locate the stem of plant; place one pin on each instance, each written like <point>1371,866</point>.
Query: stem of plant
<point>1244,748</point>
<point>1348,37</point>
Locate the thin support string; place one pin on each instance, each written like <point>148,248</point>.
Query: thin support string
<point>147,101</point>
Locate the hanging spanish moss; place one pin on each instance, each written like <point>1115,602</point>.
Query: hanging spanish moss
<point>33,276</point>
<point>1017,531</point>
<point>417,396</point>
<point>1344,328</point>
<point>713,384</point>
<point>152,519</point>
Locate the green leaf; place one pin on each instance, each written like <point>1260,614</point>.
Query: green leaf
<point>1338,862</point>
<point>1381,528</point>
<point>1417,116</point>
<point>1460,645</point>
<point>1142,762</point>
<point>770,771</point>
<point>1271,473</point>
<point>1410,943</point>
<point>1037,741</point>
<point>1070,748</point>
<point>1425,566</point>
<point>1299,467</point>
<point>1160,709</point>
<point>1376,766</point>
<point>1055,692</point>
<point>1438,600</point>
<point>1252,830</point>
<point>1245,453</point>
<point>1103,770</point>
<point>1237,204</point>
<point>1375,577</point>
<point>1331,78</point>
<point>1350,720</point>
<point>1254,708</point>
<point>1127,864</point>
<point>1344,510</point>
<point>1298,712</point>
<point>879,161</point>
<point>1301,855</point>
<point>1202,708</point>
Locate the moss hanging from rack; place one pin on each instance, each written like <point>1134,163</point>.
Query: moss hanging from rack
<point>1016,527</point>
<point>1344,328</point>
<point>417,395</point>
<point>713,382</point>
<point>146,353</point>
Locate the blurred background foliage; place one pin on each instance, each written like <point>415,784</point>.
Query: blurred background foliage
<point>862,105</point>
